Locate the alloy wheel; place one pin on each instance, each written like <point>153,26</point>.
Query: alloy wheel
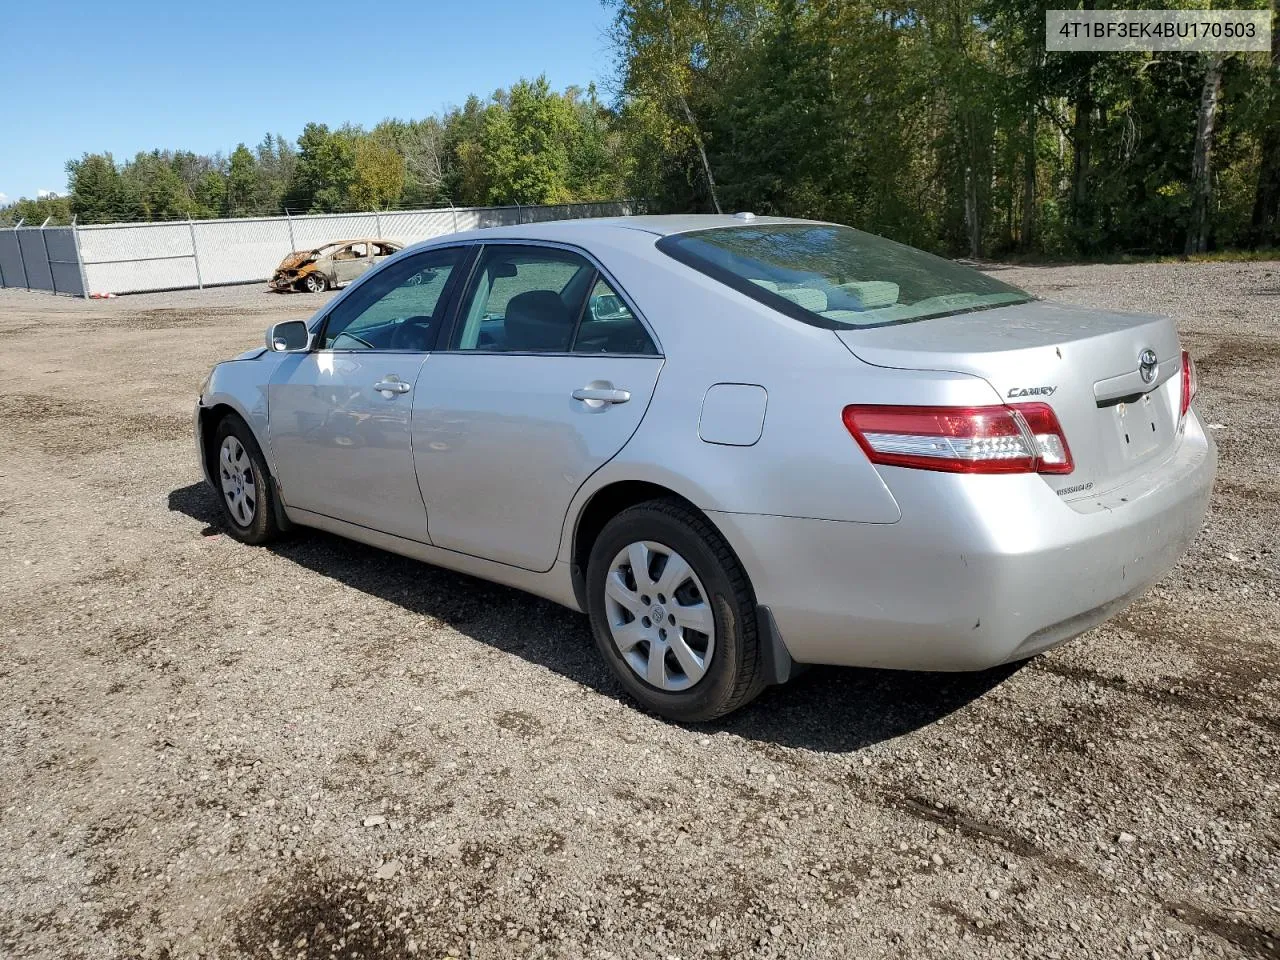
<point>659,616</point>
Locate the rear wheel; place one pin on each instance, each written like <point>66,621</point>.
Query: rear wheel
<point>315,282</point>
<point>243,483</point>
<point>672,612</point>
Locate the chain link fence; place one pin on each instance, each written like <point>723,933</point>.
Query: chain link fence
<point>137,257</point>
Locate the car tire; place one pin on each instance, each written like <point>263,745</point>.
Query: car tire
<point>246,492</point>
<point>734,674</point>
<point>315,282</point>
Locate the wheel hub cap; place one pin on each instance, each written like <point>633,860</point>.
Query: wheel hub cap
<point>235,472</point>
<point>659,616</point>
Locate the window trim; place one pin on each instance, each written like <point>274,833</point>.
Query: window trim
<point>455,308</point>
<point>447,295</point>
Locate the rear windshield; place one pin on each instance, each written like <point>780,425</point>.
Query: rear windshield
<point>837,277</point>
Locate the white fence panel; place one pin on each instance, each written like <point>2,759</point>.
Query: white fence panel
<point>314,231</point>
<point>232,251</point>
<point>144,256</point>
<point>419,225</point>
<point>130,258</point>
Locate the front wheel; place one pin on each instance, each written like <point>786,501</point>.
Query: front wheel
<point>246,495</point>
<point>315,282</point>
<point>673,613</point>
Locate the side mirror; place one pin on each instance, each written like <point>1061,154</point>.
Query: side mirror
<point>290,336</point>
<point>607,306</point>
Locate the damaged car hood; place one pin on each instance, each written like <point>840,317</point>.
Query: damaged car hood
<point>296,259</point>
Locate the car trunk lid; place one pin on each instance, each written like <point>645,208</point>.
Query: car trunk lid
<point>1120,415</point>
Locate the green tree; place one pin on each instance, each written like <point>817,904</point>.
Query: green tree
<point>324,170</point>
<point>161,192</point>
<point>55,209</point>
<point>671,48</point>
<point>242,183</point>
<point>377,177</point>
<point>98,193</point>
<point>465,177</point>
<point>277,162</point>
<point>421,144</point>
<point>524,151</point>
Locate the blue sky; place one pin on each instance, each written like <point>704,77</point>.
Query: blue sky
<point>135,75</point>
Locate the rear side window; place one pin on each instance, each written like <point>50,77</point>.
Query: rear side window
<point>531,299</point>
<point>837,277</point>
<point>609,326</point>
<point>522,300</point>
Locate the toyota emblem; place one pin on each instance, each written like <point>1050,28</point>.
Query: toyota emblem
<point>1148,365</point>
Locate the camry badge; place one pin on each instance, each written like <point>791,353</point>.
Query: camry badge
<point>1031,392</point>
<point>1148,365</point>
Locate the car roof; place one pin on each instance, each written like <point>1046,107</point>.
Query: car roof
<point>585,229</point>
<point>665,225</point>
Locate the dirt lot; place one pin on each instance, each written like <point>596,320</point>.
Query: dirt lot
<point>323,750</point>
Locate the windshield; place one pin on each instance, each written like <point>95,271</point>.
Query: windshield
<point>837,277</point>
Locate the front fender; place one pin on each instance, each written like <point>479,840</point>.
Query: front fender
<point>241,387</point>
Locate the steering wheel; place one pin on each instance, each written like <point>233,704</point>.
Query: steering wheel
<point>412,333</point>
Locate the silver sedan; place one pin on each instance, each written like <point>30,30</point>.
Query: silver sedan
<point>739,444</point>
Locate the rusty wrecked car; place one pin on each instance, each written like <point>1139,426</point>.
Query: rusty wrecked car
<point>332,265</point>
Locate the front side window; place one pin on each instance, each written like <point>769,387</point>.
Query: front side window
<point>398,308</point>
<point>837,277</point>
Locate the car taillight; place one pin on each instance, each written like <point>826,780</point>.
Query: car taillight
<point>1188,383</point>
<point>1013,438</point>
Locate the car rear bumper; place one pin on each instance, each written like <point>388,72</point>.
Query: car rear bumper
<point>979,571</point>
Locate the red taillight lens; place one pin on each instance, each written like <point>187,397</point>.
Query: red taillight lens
<point>1188,383</point>
<point>1052,453</point>
<point>1019,438</point>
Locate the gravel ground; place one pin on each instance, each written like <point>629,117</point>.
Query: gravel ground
<point>319,750</point>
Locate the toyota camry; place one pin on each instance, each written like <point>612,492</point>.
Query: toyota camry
<point>738,444</point>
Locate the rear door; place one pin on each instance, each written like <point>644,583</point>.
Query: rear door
<point>548,372</point>
<point>339,416</point>
<point>381,251</point>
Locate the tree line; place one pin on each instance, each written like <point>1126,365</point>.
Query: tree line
<point>943,124</point>
<point>528,145</point>
<point>946,125</point>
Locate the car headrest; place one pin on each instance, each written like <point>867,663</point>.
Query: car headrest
<point>870,294</point>
<point>538,320</point>
<point>806,297</point>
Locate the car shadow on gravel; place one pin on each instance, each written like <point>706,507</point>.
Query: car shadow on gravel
<point>828,709</point>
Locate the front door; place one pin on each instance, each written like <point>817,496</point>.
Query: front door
<point>547,375</point>
<point>339,416</point>
<point>351,261</point>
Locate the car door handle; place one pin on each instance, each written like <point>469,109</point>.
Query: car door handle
<point>602,394</point>
<point>392,386</point>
